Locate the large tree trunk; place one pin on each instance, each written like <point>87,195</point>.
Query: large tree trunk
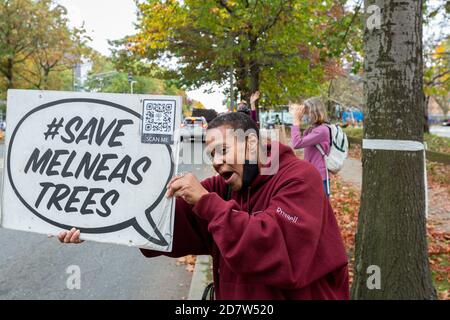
<point>254,84</point>
<point>255,72</point>
<point>242,77</point>
<point>391,228</point>
<point>330,104</point>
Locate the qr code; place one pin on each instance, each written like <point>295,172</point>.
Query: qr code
<point>159,117</point>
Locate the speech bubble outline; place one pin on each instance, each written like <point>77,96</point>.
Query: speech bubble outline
<point>160,240</point>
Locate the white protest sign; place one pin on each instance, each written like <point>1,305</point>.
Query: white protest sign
<point>89,161</point>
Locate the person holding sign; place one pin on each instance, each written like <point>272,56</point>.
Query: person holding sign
<point>271,236</point>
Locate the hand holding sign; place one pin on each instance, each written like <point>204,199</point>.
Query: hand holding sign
<point>187,187</point>
<point>72,236</point>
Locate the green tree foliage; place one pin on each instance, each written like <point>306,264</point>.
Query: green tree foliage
<point>117,82</point>
<point>285,48</point>
<point>37,47</point>
<point>437,53</point>
<point>105,78</point>
<point>437,74</point>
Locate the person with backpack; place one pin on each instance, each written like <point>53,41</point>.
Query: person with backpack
<point>271,235</point>
<point>317,140</point>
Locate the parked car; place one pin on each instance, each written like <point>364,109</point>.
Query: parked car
<point>446,123</point>
<point>194,128</point>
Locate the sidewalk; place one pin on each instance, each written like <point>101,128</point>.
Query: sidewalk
<point>438,198</point>
<point>201,278</point>
<point>352,172</point>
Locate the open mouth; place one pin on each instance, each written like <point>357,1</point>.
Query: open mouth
<point>227,176</point>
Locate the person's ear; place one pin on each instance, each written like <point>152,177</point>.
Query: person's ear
<point>252,147</point>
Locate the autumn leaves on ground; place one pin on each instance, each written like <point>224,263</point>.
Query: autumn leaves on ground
<point>345,201</point>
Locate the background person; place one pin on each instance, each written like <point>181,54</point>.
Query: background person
<point>317,133</point>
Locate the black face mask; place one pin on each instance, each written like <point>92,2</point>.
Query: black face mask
<point>251,171</point>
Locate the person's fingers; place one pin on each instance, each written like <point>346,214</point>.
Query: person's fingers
<point>175,178</point>
<point>172,180</point>
<point>174,187</point>
<point>180,194</point>
<point>170,192</point>
<point>75,237</point>
<point>62,235</point>
<point>69,235</point>
<point>171,188</point>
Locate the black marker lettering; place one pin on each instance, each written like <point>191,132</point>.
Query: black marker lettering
<point>117,133</point>
<point>115,196</point>
<point>91,126</point>
<point>57,196</point>
<point>146,162</point>
<point>88,201</point>
<point>101,136</point>
<point>103,167</point>
<point>55,163</point>
<point>65,173</point>
<point>87,166</point>
<point>124,165</point>
<point>71,136</point>
<point>45,186</point>
<point>73,199</point>
<point>37,163</point>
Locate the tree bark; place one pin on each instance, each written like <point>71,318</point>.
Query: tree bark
<point>10,74</point>
<point>330,104</point>
<point>255,71</point>
<point>254,84</point>
<point>242,77</point>
<point>392,228</point>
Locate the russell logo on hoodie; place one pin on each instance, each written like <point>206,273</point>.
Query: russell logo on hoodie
<point>287,216</point>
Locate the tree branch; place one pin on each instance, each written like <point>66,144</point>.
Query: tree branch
<point>275,19</point>
<point>437,77</point>
<point>224,5</point>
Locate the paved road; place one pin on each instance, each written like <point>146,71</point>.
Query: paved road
<point>34,267</point>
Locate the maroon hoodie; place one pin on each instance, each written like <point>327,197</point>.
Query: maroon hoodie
<point>278,239</point>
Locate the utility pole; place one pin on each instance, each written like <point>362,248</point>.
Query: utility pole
<point>132,84</point>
